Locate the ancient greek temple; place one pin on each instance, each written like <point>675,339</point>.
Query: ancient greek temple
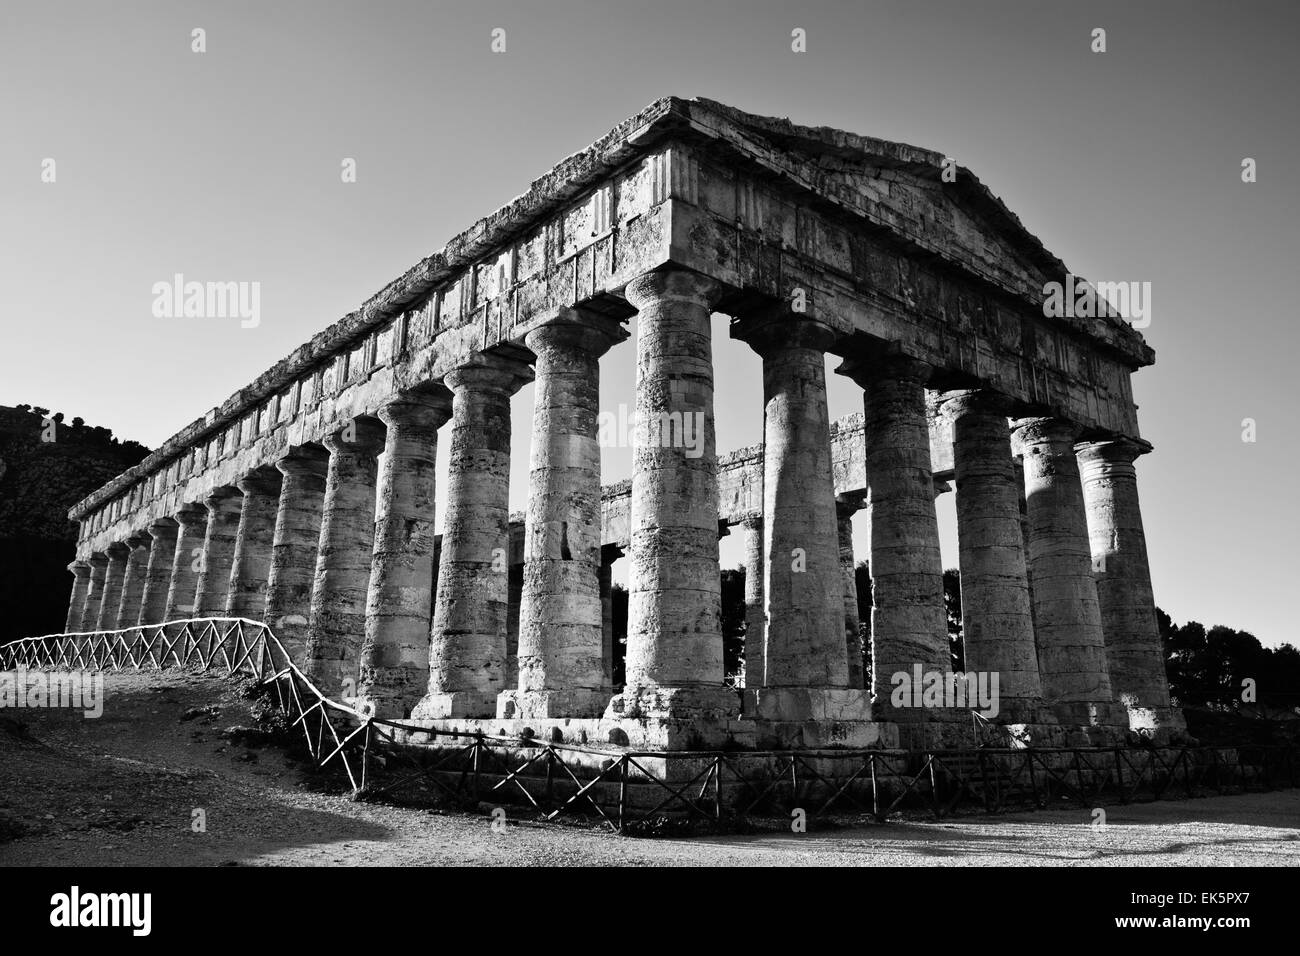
<point>307,500</point>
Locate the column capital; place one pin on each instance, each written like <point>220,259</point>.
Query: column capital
<point>416,406</point>
<point>490,373</point>
<point>138,542</point>
<point>260,481</point>
<point>98,560</point>
<point>865,367</point>
<point>361,436</point>
<point>162,528</point>
<point>117,551</point>
<point>575,329</point>
<point>191,514</point>
<point>1046,430</point>
<point>224,499</point>
<point>79,568</point>
<point>1111,451</point>
<point>673,284</point>
<point>965,401</point>
<point>304,461</point>
<point>776,327</point>
<point>753,521</point>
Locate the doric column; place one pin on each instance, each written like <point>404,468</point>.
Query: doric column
<point>674,641</point>
<point>755,606</point>
<point>1071,647</point>
<point>1122,574</point>
<point>804,583</point>
<point>114,577</point>
<point>467,645</point>
<point>192,528</point>
<point>293,548</point>
<point>399,599</point>
<point>909,625</point>
<point>336,626</point>
<point>77,603</point>
<point>846,506</point>
<point>250,568</point>
<point>1018,469</point>
<point>158,578</point>
<point>137,574</point>
<point>998,633</point>
<point>94,592</point>
<point>212,589</point>
<point>561,673</point>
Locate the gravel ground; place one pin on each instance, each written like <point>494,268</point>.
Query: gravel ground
<point>123,790</point>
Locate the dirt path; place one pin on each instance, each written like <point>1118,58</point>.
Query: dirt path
<point>123,790</point>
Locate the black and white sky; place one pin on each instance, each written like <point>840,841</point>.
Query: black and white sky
<point>225,165</point>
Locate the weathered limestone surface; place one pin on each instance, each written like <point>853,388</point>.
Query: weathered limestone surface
<point>250,569</point>
<point>1123,577</point>
<point>212,589</point>
<point>77,603</point>
<point>561,670</point>
<point>293,551</point>
<point>94,592</point>
<point>1071,649</point>
<point>162,554</point>
<point>755,605</point>
<point>997,627</point>
<point>394,656</point>
<point>114,576</point>
<point>804,588</point>
<point>133,582</point>
<point>908,621</point>
<point>468,644</point>
<point>192,528</point>
<point>1018,469</point>
<point>336,626</point>
<point>674,637</point>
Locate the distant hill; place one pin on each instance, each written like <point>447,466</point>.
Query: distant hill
<point>40,479</point>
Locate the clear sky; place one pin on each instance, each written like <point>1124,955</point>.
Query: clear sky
<point>225,165</point>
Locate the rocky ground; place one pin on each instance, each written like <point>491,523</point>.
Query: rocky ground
<point>126,789</point>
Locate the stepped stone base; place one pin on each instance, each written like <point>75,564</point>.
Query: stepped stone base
<point>1161,725</point>
<point>665,733</point>
<point>1034,723</point>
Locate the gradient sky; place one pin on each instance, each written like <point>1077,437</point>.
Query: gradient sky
<point>225,166</point>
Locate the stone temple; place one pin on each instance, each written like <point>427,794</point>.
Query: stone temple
<point>307,499</point>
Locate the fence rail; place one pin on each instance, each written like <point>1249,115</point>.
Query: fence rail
<point>632,791</point>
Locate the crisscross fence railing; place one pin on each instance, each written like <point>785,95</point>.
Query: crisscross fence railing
<point>639,791</point>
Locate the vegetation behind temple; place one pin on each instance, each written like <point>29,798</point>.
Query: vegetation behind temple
<point>47,465</point>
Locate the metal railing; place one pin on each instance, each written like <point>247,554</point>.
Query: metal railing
<point>636,791</point>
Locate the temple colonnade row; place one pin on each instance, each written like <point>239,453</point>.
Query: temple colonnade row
<point>334,545</point>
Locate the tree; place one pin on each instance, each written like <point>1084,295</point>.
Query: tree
<point>952,604</point>
<point>733,621</point>
<point>1209,668</point>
